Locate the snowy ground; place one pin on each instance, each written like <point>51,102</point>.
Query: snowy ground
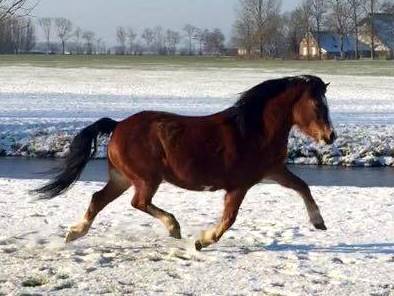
<point>41,108</point>
<point>271,249</point>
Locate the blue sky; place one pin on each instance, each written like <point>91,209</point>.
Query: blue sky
<point>103,16</point>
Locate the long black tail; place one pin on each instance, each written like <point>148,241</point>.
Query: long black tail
<point>82,149</point>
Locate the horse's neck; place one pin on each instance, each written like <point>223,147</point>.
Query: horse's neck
<point>277,118</point>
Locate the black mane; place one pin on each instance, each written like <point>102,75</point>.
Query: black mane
<point>252,102</point>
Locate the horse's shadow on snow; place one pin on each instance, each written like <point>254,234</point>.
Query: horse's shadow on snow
<point>373,248</point>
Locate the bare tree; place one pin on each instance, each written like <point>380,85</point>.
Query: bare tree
<point>88,36</point>
<point>255,22</point>
<point>318,11</point>
<point>9,8</point>
<point>275,37</point>
<point>295,31</point>
<point>340,20</point>
<point>121,36</point>
<point>77,39</point>
<point>158,40</point>
<point>190,32</point>
<point>17,35</point>
<point>64,29</point>
<point>263,11</point>
<point>306,22</point>
<point>201,36</point>
<point>46,26</point>
<point>371,7</point>
<point>148,37</point>
<point>356,14</point>
<point>131,36</point>
<point>261,28</point>
<point>30,36</point>
<point>172,39</point>
<point>138,49</point>
<point>244,30</point>
<point>215,42</point>
<point>101,48</point>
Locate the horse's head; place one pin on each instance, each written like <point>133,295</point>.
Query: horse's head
<point>310,112</point>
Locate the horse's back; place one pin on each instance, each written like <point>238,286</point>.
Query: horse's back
<point>175,147</point>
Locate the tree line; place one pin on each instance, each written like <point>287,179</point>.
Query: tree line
<point>190,41</point>
<point>261,29</point>
<point>156,40</point>
<point>62,36</point>
<point>17,32</point>
<point>18,35</point>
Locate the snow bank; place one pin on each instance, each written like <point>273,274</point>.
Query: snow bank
<point>355,146</point>
<point>270,250</point>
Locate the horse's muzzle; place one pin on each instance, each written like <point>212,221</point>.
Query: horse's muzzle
<point>331,138</point>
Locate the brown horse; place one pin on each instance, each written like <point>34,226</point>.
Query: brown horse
<point>231,150</point>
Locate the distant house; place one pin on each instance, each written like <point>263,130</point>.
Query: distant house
<point>231,51</point>
<point>244,52</point>
<point>330,46</point>
<point>384,34</point>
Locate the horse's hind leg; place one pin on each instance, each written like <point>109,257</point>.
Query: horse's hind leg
<point>142,200</point>
<point>287,179</point>
<point>112,190</point>
<point>232,202</point>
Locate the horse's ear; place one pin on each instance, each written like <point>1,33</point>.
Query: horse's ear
<point>328,84</point>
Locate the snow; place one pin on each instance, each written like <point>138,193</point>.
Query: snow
<point>384,24</point>
<point>42,108</point>
<point>271,249</point>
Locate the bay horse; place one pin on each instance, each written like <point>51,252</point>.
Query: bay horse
<point>232,150</point>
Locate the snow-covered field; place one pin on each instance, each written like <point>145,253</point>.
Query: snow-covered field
<point>41,108</point>
<point>270,250</point>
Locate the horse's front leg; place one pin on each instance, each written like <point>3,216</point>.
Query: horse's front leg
<point>232,202</point>
<point>287,179</point>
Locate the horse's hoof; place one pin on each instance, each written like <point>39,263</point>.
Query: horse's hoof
<point>70,236</point>
<point>77,231</point>
<point>176,236</point>
<point>198,245</point>
<point>73,235</point>
<point>321,226</point>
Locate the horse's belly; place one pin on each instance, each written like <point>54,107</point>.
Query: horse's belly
<point>194,180</point>
<point>192,186</point>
